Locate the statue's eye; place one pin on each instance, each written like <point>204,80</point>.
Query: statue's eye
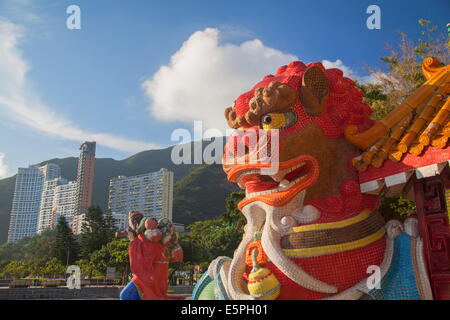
<point>273,121</point>
<point>267,119</point>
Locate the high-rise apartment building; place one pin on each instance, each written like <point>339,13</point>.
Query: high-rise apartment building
<point>46,206</point>
<point>64,200</point>
<point>85,177</point>
<point>120,221</point>
<point>41,196</point>
<point>58,199</point>
<point>77,223</point>
<point>27,199</point>
<point>150,193</point>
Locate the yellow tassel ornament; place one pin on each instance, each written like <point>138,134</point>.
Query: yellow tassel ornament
<point>262,283</point>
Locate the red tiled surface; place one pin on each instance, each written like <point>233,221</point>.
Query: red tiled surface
<point>409,162</point>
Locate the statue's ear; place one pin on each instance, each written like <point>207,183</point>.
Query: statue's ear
<point>314,91</point>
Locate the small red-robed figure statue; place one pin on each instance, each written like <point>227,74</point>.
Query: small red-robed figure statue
<point>153,244</point>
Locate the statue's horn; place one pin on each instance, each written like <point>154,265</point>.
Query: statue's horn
<point>314,90</point>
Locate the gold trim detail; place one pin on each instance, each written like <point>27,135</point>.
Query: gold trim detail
<point>332,225</point>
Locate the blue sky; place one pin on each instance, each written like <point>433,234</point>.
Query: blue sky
<point>137,70</point>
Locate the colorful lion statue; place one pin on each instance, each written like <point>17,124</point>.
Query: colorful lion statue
<point>311,233</point>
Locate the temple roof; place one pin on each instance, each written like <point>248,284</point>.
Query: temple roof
<point>412,131</point>
<point>411,140</point>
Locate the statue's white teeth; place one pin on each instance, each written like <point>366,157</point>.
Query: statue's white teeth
<point>284,183</point>
<point>279,176</point>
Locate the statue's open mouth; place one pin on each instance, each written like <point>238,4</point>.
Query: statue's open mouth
<point>276,189</point>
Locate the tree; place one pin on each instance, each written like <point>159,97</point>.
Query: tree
<point>113,254</point>
<point>16,269</point>
<point>53,268</point>
<point>119,257</point>
<point>233,217</point>
<point>109,222</point>
<point>404,68</point>
<point>36,266</point>
<point>11,251</point>
<point>212,238</point>
<point>396,208</point>
<point>66,247</point>
<point>96,231</point>
<point>39,246</point>
<point>99,260</point>
<point>86,268</point>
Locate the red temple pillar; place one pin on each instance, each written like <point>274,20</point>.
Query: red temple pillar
<point>431,202</point>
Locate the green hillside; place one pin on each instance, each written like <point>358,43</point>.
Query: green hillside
<point>200,194</point>
<point>6,195</point>
<point>199,190</point>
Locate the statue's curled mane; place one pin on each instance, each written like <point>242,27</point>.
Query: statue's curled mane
<point>345,100</point>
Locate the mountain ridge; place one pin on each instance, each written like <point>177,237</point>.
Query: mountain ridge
<point>199,189</point>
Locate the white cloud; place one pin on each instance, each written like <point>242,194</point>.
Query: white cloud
<point>204,77</point>
<point>4,169</point>
<point>21,104</point>
<point>349,73</point>
<point>339,65</point>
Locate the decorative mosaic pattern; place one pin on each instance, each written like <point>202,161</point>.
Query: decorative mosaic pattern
<point>399,283</point>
